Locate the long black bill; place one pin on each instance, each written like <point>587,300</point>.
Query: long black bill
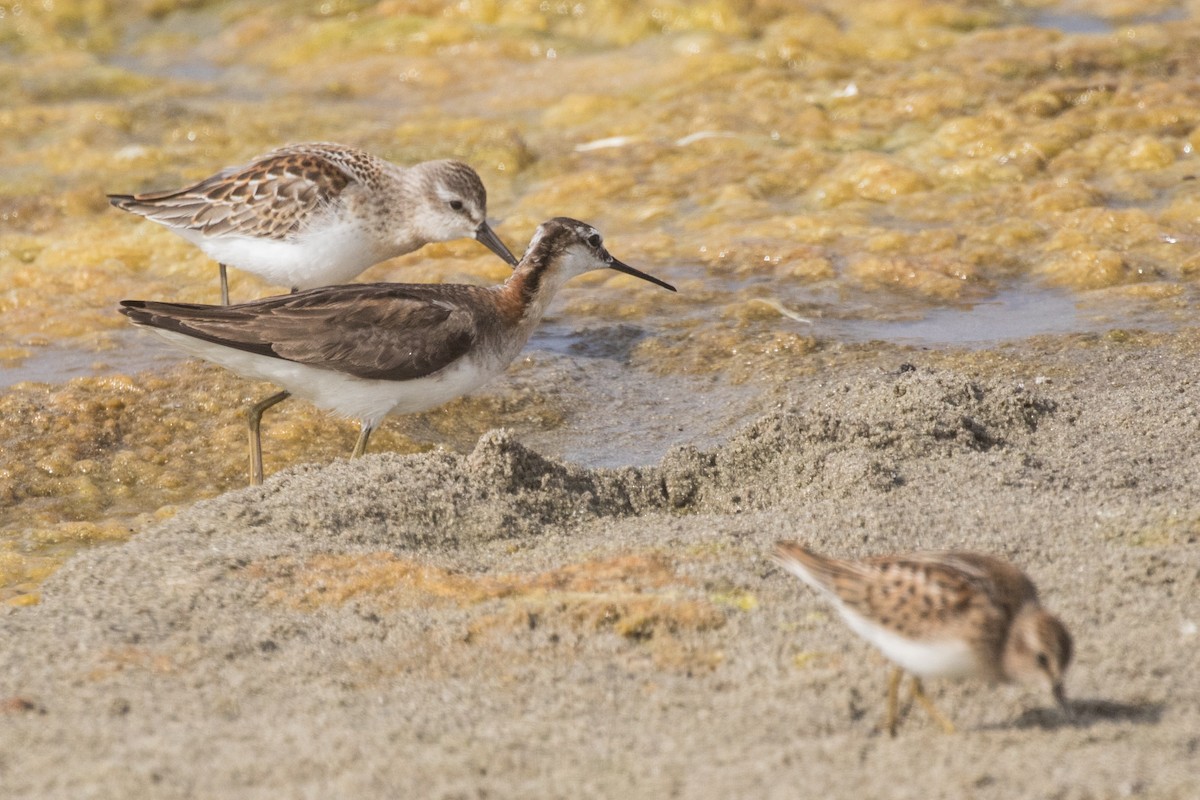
<point>1060,697</point>
<point>487,237</point>
<point>637,273</point>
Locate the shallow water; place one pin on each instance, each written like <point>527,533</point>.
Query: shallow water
<point>131,352</point>
<point>1080,22</point>
<point>936,175</point>
<point>1011,314</point>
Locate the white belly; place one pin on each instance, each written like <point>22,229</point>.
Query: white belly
<point>366,400</point>
<point>932,658</point>
<point>330,255</point>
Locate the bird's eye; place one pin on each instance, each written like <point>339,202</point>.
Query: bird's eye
<point>456,205</point>
<point>594,240</point>
<point>1043,662</point>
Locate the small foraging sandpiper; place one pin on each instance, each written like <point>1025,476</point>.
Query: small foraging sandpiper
<point>943,614</point>
<point>310,215</point>
<point>369,349</point>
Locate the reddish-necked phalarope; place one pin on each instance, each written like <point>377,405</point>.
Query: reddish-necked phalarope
<point>367,350</point>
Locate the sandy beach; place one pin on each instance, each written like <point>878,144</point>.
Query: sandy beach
<point>501,624</point>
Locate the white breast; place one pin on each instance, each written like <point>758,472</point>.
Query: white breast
<point>325,255</point>
<point>930,658</point>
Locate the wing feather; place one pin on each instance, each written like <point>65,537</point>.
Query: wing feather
<point>918,595</point>
<point>271,197</point>
<point>374,331</point>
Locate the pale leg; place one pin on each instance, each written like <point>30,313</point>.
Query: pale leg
<point>893,700</point>
<point>224,286</point>
<point>918,693</point>
<point>255,420</point>
<point>360,446</point>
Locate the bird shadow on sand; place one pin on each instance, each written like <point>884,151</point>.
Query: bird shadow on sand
<point>1086,713</point>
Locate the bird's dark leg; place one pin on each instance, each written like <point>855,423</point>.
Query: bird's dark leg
<point>255,420</point>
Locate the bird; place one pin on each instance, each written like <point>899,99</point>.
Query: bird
<point>365,350</point>
<point>317,214</point>
<point>941,614</point>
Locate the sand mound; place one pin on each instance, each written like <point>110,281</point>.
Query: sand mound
<point>503,624</point>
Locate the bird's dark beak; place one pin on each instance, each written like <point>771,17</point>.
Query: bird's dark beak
<point>487,237</point>
<point>637,273</point>
<point>1060,697</point>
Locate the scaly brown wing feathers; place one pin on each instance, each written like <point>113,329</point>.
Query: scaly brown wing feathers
<point>915,595</point>
<point>271,197</point>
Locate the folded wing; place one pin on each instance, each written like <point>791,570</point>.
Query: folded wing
<point>270,198</point>
<point>375,331</point>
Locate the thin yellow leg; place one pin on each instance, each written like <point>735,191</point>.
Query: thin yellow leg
<point>891,721</point>
<point>255,420</point>
<point>224,286</point>
<point>918,693</point>
<point>360,446</point>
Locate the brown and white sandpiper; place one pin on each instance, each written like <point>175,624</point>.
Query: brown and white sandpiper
<point>310,215</point>
<point>942,614</point>
<point>367,350</point>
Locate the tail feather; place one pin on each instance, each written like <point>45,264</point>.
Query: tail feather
<point>815,570</point>
<point>168,316</point>
<point>180,212</point>
<point>136,311</point>
<point>140,312</point>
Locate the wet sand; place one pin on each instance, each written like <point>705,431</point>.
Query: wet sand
<point>502,624</point>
